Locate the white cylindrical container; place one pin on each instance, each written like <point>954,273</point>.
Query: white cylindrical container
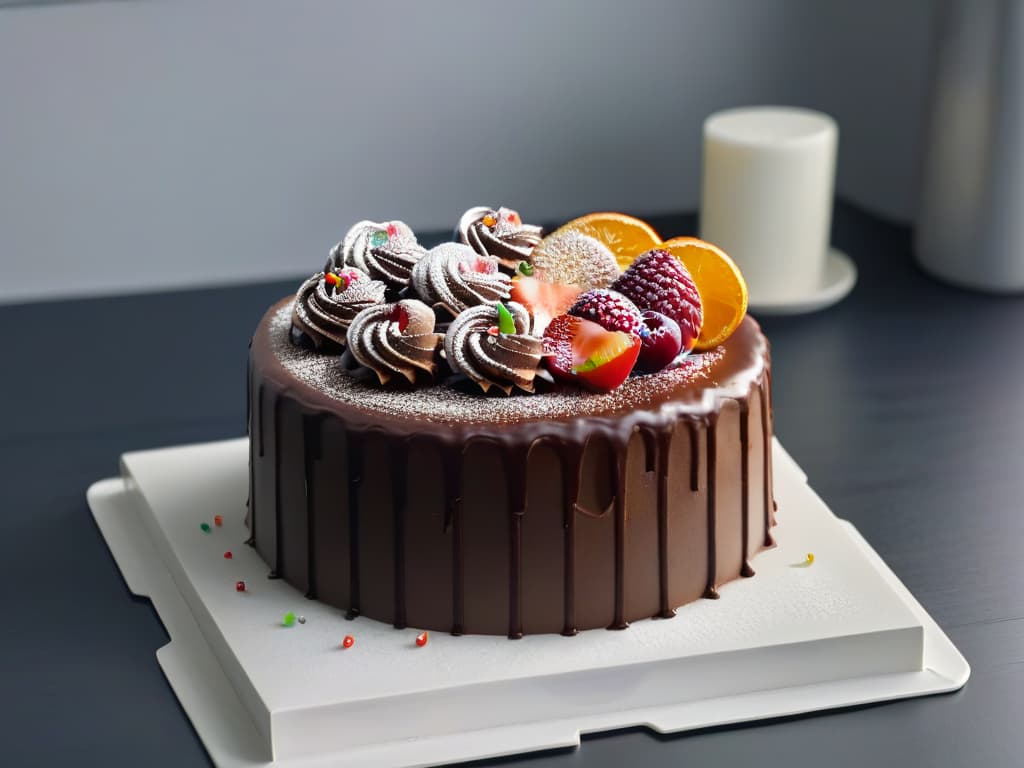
<point>768,182</point>
<point>970,220</point>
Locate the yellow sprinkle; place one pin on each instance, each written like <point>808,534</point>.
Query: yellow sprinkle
<point>810,558</point>
<point>489,221</point>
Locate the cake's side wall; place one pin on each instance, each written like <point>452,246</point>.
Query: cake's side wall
<point>480,539</point>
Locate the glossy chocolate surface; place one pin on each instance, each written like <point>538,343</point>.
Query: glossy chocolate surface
<point>556,512</point>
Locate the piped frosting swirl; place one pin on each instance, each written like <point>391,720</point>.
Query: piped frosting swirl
<point>453,277</point>
<point>475,347</point>
<point>386,251</point>
<point>396,339</point>
<point>499,233</point>
<point>326,304</point>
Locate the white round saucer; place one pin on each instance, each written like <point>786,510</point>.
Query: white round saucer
<point>839,278</point>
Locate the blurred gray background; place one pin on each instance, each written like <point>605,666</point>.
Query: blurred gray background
<point>150,145</point>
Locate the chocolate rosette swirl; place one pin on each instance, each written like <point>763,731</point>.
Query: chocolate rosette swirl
<point>499,233</point>
<point>398,338</point>
<point>386,251</point>
<point>326,304</point>
<point>453,277</point>
<point>491,345</point>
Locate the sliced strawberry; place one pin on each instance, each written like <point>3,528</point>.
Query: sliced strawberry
<point>582,352</point>
<point>562,339</point>
<point>543,300</point>
<point>608,365</point>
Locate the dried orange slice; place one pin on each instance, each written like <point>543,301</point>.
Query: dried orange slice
<point>625,236</point>
<point>722,289</point>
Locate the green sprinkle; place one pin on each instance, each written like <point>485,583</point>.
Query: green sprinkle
<point>506,323</point>
<point>204,527</point>
<point>525,268</point>
<point>378,238</point>
<point>289,619</point>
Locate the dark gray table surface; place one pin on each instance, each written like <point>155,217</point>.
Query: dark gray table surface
<point>904,404</point>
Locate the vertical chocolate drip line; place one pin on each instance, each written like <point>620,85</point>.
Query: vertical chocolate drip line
<point>453,491</point>
<point>516,464</point>
<point>691,426</point>
<point>650,448</point>
<point>252,418</point>
<point>620,451</point>
<point>767,468</point>
<point>248,429</point>
<point>710,591</point>
<point>259,432</point>
<point>572,465</point>
<point>254,452</point>
<point>745,569</point>
<point>354,476</point>
<point>400,467</point>
<point>662,448</point>
<point>767,386</point>
<point>276,573</point>
<point>311,447</point>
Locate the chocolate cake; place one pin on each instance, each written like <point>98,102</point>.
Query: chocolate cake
<point>438,476</point>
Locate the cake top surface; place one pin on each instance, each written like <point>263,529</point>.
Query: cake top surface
<point>599,317</point>
<point>693,385</point>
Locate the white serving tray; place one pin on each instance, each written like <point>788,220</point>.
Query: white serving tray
<point>840,632</point>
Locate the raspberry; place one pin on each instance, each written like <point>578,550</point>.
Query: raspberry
<point>611,310</point>
<point>657,280</point>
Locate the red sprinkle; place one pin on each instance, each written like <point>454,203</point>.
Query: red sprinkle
<point>348,642</point>
<point>228,555</point>
<point>400,316</point>
<point>513,217</point>
<point>239,586</point>
<point>392,229</point>
<point>218,520</point>
<point>421,639</point>
<point>494,331</point>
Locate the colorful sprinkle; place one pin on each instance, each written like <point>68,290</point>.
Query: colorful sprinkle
<point>806,563</point>
<point>493,331</point>
<point>218,520</point>
<point>204,527</point>
<point>228,555</point>
<point>392,229</point>
<point>513,218</point>
<point>506,323</point>
<point>489,220</point>
<point>378,238</point>
<point>289,619</point>
<point>421,639</point>
<point>525,268</point>
<point>348,642</point>
<point>239,586</point>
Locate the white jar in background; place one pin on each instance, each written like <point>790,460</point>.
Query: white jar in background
<point>766,199</point>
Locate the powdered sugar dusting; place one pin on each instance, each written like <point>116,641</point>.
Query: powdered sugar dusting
<point>446,404</point>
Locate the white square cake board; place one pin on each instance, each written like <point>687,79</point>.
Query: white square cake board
<point>795,638</point>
